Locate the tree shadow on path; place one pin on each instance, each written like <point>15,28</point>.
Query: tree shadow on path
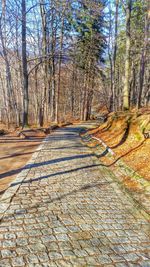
<point>44,163</point>
<point>56,174</point>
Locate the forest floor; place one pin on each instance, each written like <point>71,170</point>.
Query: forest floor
<point>14,153</point>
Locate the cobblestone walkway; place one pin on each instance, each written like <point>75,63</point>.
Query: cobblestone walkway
<point>68,211</point>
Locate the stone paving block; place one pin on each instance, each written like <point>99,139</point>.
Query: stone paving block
<point>131,257</point>
<point>43,257</point>
<point>37,247</point>
<point>91,261</point>
<point>9,236</point>
<point>68,254</point>
<point>18,261</point>
<point>22,242</point>
<point>60,230</point>
<point>32,258</point>
<point>74,229</point>
<point>55,255</point>
<point>22,251</point>
<point>117,258</point>
<point>48,238</point>
<point>104,259</point>
<point>5,263</point>
<point>8,244</point>
<point>52,246</point>
<point>62,237</point>
<point>80,253</point>
<point>8,253</point>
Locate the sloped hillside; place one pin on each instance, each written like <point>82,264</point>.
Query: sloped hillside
<point>128,135</point>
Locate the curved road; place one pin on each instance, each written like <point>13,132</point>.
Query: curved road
<point>65,209</point>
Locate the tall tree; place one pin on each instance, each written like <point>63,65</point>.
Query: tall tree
<point>126,88</point>
<point>115,55</point>
<point>143,55</point>
<point>89,25</point>
<point>24,66</point>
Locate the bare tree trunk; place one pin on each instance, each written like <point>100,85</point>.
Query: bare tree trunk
<point>142,61</point>
<point>83,97</point>
<point>73,88</point>
<point>86,96</point>
<point>57,113</point>
<point>110,60</point>
<point>127,57</point>
<point>114,57</point>
<point>44,52</point>
<point>24,67</point>
<point>53,83</point>
<point>133,91</point>
<point>5,101</point>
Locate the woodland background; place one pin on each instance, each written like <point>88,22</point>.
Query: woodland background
<point>64,60</point>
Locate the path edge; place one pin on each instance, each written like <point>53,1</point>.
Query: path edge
<point>9,193</point>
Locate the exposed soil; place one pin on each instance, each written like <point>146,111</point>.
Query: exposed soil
<point>14,153</point>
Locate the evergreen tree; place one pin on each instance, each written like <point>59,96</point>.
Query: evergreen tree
<point>89,26</point>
